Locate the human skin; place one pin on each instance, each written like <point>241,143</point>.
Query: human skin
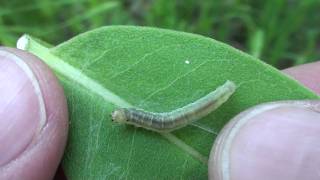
<point>33,125</point>
<point>33,146</point>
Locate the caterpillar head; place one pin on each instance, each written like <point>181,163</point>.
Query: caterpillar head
<point>119,116</point>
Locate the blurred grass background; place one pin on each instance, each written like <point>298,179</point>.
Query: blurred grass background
<point>281,32</point>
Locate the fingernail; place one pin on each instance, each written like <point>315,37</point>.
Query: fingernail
<point>271,143</point>
<point>22,109</point>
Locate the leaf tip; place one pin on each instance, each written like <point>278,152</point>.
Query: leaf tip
<point>23,42</point>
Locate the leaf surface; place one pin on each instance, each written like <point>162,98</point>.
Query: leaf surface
<point>156,70</point>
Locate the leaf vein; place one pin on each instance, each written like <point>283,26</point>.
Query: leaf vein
<point>173,82</point>
<point>141,60</point>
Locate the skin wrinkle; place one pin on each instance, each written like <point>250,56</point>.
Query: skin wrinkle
<point>22,87</point>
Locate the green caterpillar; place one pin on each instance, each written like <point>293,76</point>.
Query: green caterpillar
<point>169,121</point>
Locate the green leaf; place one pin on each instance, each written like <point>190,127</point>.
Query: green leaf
<point>157,70</point>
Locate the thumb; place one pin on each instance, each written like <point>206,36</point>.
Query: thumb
<point>271,141</point>
<point>33,117</point>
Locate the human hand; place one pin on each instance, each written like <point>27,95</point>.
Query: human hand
<point>33,117</point>
<point>278,141</point>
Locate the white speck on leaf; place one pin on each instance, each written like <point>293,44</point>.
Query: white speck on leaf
<point>187,62</point>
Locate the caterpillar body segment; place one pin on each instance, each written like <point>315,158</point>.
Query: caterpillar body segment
<point>169,121</point>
